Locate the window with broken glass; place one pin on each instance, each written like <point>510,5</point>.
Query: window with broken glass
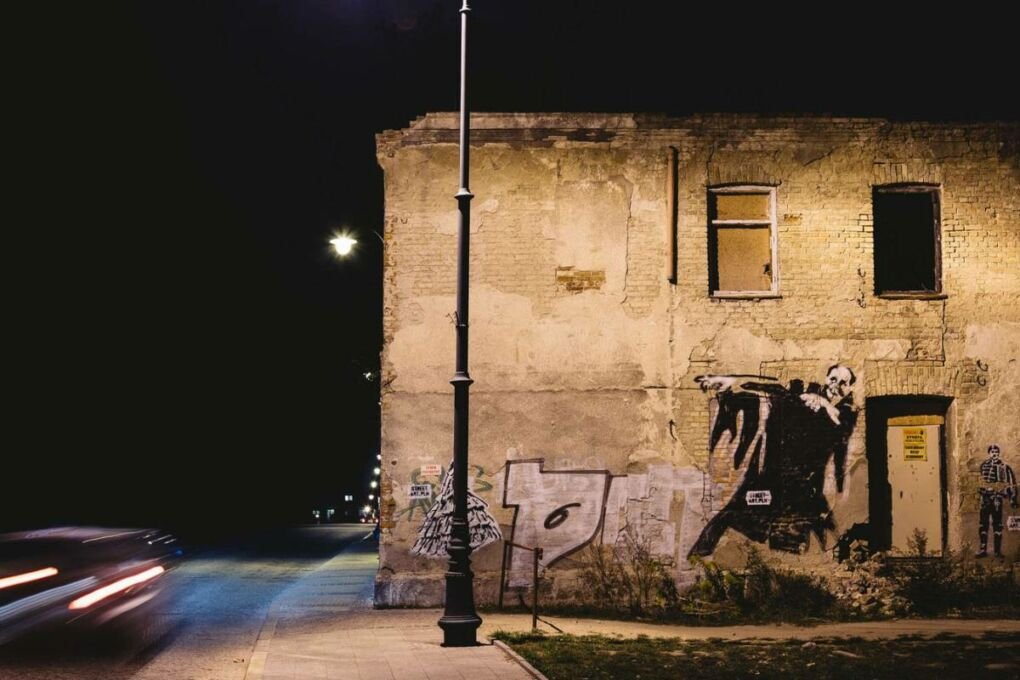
<point>742,243</point>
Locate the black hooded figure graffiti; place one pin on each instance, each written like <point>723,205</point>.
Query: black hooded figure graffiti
<point>787,435</point>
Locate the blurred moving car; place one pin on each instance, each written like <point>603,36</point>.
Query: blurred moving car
<point>80,576</point>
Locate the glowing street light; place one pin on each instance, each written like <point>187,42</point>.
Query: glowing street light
<point>343,244</point>
<point>376,471</point>
<point>373,484</point>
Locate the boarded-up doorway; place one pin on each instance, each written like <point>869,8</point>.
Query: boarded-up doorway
<point>907,475</point>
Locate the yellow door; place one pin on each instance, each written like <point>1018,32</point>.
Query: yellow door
<point>914,451</point>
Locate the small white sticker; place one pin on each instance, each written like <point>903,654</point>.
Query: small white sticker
<point>431,470</point>
<point>416,491</point>
<point>763,497</point>
<point>1013,522</point>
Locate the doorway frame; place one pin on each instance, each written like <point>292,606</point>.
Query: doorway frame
<point>878,411</point>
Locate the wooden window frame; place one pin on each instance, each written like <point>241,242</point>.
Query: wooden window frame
<point>771,223</point>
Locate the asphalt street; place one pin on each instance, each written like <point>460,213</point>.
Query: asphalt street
<point>205,629</point>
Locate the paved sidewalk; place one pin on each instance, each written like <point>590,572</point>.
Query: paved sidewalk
<point>324,628</point>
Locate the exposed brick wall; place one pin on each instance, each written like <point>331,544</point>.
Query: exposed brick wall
<point>576,281</point>
<point>570,302</point>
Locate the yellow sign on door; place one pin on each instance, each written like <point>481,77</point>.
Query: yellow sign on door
<point>915,443</point>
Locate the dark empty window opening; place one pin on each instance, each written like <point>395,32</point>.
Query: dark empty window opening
<point>906,232</point>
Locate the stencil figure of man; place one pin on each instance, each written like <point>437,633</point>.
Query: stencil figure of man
<point>783,441</point>
<point>997,484</point>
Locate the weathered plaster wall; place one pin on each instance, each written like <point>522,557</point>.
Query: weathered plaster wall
<point>585,356</point>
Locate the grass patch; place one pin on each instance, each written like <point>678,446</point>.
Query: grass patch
<point>566,657</point>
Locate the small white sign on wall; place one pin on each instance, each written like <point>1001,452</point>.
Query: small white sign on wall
<point>762,497</point>
<point>416,491</point>
<point>431,470</point>
<point>1013,522</point>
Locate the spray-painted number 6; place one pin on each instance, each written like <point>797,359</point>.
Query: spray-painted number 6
<point>559,515</point>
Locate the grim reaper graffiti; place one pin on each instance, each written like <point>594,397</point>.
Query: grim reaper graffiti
<point>783,439</point>
<point>434,534</point>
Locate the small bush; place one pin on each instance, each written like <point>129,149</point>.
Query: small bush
<point>627,576</point>
<point>954,584</point>
<point>918,542</point>
<point>762,591</point>
<point>602,576</point>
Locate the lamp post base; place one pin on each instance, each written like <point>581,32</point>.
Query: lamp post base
<point>459,631</point>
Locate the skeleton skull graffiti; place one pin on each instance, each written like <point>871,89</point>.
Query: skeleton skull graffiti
<point>838,382</point>
<point>838,386</point>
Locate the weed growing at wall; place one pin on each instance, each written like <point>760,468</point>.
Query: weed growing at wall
<point>626,577</point>
<point>863,587</point>
<point>763,592</point>
<point>921,583</point>
<point>629,580</point>
<point>955,584</point>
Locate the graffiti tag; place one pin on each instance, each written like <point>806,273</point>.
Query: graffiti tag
<point>561,511</point>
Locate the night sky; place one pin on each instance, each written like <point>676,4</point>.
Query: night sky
<point>183,349</point>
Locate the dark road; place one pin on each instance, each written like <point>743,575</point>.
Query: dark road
<point>206,627</point>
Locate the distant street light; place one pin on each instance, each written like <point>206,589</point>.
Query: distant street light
<point>376,471</point>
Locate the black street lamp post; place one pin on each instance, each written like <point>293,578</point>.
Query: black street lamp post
<point>460,621</point>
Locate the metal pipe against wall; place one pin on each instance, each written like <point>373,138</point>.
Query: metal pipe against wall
<point>672,212</point>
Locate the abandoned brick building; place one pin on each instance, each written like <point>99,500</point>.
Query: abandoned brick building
<point>703,334</point>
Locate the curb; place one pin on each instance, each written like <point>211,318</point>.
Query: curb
<point>514,656</point>
<point>260,651</point>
